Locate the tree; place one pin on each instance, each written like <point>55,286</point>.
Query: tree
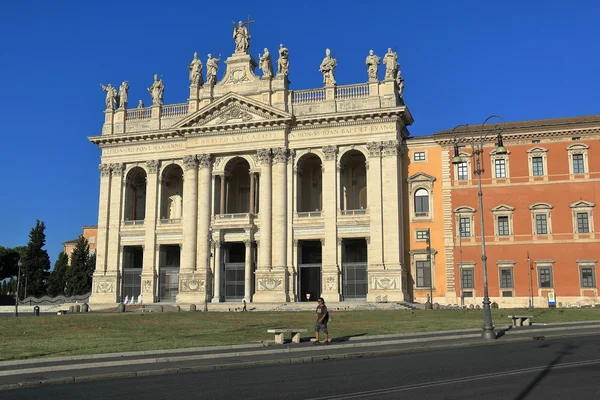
<point>79,275</point>
<point>35,262</point>
<point>57,281</point>
<point>4,288</point>
<point>9,259</point>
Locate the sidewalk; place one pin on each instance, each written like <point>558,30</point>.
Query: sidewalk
<point>47,371</point>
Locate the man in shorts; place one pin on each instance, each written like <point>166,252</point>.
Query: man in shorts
<point>322,319</point>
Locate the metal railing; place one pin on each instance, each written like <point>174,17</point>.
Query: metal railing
<point>308,214</point>
<point>167,221</point>
<point>421,214</point>
<point>361,211</point>
<point>233,216</point>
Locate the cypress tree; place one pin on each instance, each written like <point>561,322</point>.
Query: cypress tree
<point>79,275</point>
<point>57,281</point>
<point>36,262</point>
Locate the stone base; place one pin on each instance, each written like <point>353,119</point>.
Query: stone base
<point>271,287</point>
<point>191,288</point>
<point>385,285</point>
<point>104,289</point>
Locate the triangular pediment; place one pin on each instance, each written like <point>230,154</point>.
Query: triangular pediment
<point>503,207</point>
<point>421,177</point>
<point>582,204</point>
<point>232,111</point>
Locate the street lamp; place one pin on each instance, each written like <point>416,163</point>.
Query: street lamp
<point>208,255</point>
<point>19,263</point>
<point>477,143</point>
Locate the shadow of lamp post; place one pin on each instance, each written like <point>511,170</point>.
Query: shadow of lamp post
<point>477,142</point>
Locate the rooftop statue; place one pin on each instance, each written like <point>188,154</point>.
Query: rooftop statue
<point>283,64</point>
<point>111,96</point>
<point>195,68</point>
<point>241,36</point>
<point>391,64</point>
<point>327,69</point>
<point>265,64</point>
<point>212,67</point>
<point>372,63</point>
<point>157,91</point>
<point>123,100</point>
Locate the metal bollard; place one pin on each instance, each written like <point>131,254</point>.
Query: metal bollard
<point>192,307</point>
<point>36,311</point>
<point>121,307</point>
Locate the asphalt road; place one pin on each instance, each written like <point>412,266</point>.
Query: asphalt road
<point>565,368</point>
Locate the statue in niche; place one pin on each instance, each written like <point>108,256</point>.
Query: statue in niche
<point>123,94</point>
<point>391,64</point>
<point>283,66</point>
<point>212,67</point>
<point>111,96</point>
<point>327,69</point>
<point>265,64</point>
<point>175,206</point>
<point>141,104</point>
<point>372,63</point>
<point>195,68</point>
<point>241,38</point>
<point>157,91</point>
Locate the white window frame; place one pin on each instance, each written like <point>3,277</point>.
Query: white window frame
<point>538,152</point>
<point>544,264</point>
<point>467,265</point>
<point>421,255</point>
<point>466,158</point>
<point>417,231</point>
<point>493,158</point>
<point>424,152</point>
<point>421,180</point>
<point>503,210</point>
<point>506,265</point>
<point>465,212</point>
<point>578,148</point>
<point>587,207</point>
<point>541,209</point>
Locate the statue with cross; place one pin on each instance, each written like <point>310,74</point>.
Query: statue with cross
<point>241,36</point>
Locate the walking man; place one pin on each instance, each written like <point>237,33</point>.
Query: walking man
<point>322,319</point>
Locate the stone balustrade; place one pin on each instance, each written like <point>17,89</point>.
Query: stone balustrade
<point>352,91</point>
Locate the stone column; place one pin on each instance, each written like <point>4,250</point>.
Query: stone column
<point>331,289</point>
<point>374,205</point>
<point>248,272</point>
<point>264,157</point>
<point>188,284</point>
<point>222,198</point>
<point>101,285</point>
<point>252,189</point>
<point>393,246</point>
<point>279,247</point>
<point>218,268</point>
<point>149,263</point>
<point>204,212</point>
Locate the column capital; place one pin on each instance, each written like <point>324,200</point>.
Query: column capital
<point>374,149</point>
<point>190,162</point>
<point>247,243</point>
<point>104,170</point>
<point>280,154</point>
<point>322,241</point>
<point>390,147</point>
<point>117,169</point>
<point>264,156</point>
<point>330,152</point>
<point>204,160</point>
<point>152,166</point>
<point>218,244</point>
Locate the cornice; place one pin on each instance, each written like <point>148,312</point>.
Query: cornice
<point>356,116</point>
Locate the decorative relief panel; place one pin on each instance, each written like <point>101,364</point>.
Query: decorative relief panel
<point>385,282</point>
<point>237,76</point>
<point>147,285</point>
<point>270,284</point>
<point>191,285</point>
<point>330,283</point>
<point>234,115</point>
<point>105,287</point>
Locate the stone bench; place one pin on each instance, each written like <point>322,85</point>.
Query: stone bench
<point>521,320</point>
<point>61,312</point>
<point>279,334</point>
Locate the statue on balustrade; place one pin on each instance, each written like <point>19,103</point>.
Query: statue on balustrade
<point>283,64</point>
<point>372,63</point>
<point>196,71</point>
<point>111,96</point>
<point>265,64</point>
<point>400,83</point>
<point>141,104</point>
<point>157,91</point>
<point>241,38</point>
<point>391,64</point>
<point>327,68</point>
<point>212,67</point>
<point>123,100</point>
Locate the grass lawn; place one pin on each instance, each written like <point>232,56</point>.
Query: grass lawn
<point>73,334</point>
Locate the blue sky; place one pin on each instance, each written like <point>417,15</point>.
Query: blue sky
<point>461,60</point>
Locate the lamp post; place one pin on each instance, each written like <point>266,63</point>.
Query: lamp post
<point>477,143</point>
<point>19,264</point>
<point>208,255</point>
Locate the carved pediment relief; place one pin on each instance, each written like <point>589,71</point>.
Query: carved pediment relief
<point>233,111</point>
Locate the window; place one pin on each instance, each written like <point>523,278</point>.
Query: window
<point>587,277</point>
<point>541,224</point>
<point>467,278</point>
<point>423,273</point>
<point>465,227</point>
<point>583,225</point>
<point>537,165</point>
<point>421,235</point>
<point>500,165</point>
<point>419,156</point>
<point>506,278</point>
<point>578,167</point>
<point>421,203</point>
<point>463,172</point>
<point>545,277</point>
<point>503,226</point>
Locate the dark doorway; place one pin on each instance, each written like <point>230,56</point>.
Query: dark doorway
<point>133,257</point>
<point>168,279</point>
<point>354,268</point>
<point>234,271</point>
<point>309,270</point>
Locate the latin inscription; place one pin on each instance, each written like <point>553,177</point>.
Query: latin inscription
<point>248,137</point>
<point>143,149</point>
<point>346,130</point>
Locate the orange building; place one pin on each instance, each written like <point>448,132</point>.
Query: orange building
<point>538,211</point>
<point>90,233</point>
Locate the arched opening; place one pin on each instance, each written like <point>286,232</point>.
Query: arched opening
<point>236,187</point>
<point>421,203</point>
<point>171,193</point>
<point>135,195</point>
<point>353,181</point>
<point>310,184</point>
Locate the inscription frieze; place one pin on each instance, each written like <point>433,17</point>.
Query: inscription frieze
<point>342,131</point>
<point>143,149</point>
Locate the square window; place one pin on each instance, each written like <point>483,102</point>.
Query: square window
<point>463,174</point>
<point>423,274</point>
<point>500,165</point>
<point>503,226</point>
<point>467,278</point>
<point>578,167</point>
<point>467,294</point>
<point>507,293</point>
<point>419,156</point>
<point>545,277</point>
<point>506,278</point>
<point>464,227</point>
<point>537,164</point>
<point>541,224</point>
<point>583,225</point>
<point>587,277</point>
<point>422,235</point>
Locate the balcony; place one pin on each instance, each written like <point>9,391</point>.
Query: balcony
<point>235,219</point>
